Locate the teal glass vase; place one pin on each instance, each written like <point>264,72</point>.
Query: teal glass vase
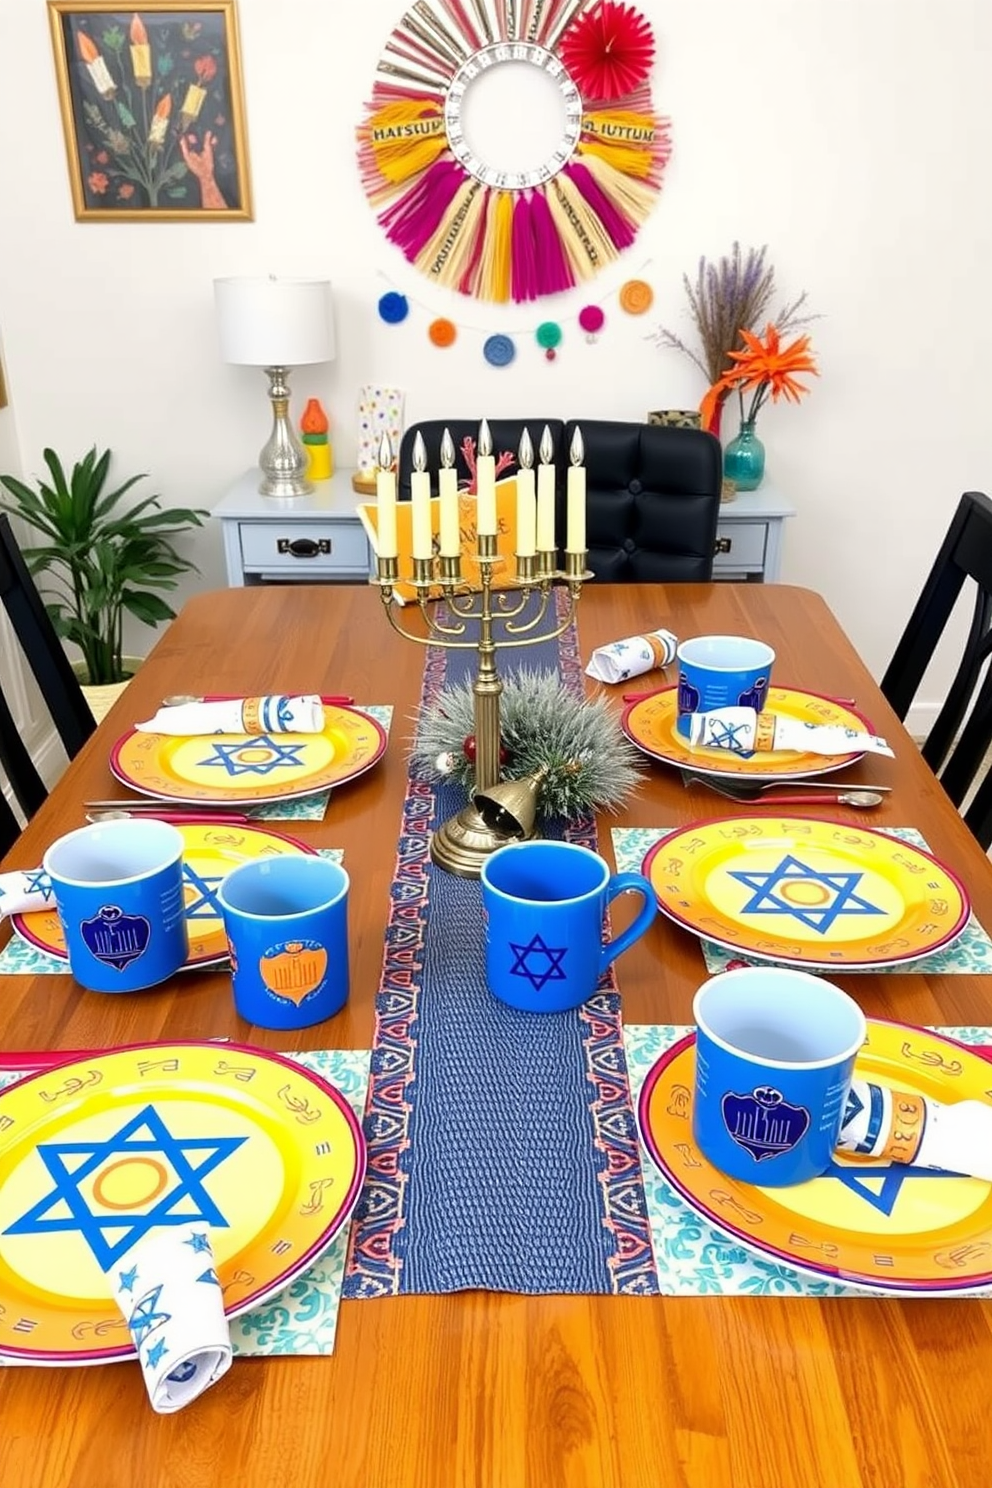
<point>744,458</point>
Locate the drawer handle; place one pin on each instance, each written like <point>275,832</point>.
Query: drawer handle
<point>723,544</point>
<point>303,547</point>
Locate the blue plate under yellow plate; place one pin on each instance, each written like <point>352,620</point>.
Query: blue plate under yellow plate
<point>98,1153</point>
<point>251,768</point>
<point>881,1226</point>
<point>801,891</point>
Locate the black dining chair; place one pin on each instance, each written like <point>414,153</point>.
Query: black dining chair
<point>60,691</point>
<point>959,740</point>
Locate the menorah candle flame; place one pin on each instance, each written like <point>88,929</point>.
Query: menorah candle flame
<point>535,508</point>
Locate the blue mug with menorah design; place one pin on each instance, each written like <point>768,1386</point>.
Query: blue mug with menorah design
<point>118,889</point>
<point>545,907</point>
<point>775,1052</point>
<point>286,921</point>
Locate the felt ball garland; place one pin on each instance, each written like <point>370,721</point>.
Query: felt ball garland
<point>501,235</point>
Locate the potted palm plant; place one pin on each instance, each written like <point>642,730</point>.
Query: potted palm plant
<point>100,559</point>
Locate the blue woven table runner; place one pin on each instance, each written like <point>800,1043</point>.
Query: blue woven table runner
<point>502,1145</point>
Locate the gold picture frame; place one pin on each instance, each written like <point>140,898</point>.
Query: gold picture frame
<point>152,110</point>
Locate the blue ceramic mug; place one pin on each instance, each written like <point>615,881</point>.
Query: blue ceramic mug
<point>775,1052</point>
<point>118,888</point>
<point>286,921</point>
<point>722,672</point>
<point>545,904</point>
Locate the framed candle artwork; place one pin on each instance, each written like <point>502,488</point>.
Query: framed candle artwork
<point>152,110</point>
<point>511,147</point>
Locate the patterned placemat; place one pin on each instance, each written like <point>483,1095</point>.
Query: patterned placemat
<point>303,1318</point>
<point>20,958</point>
<point>971,952</point>
<point>502,1144</point>
<point>693,1259</point>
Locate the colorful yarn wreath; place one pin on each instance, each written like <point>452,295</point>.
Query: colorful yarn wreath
<point>498,235</point>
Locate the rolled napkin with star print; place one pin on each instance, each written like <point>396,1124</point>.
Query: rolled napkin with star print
<point>275,714</point>
<point>899,1126</point>
<point>745,731</point>
<point>170,1296</point>
<point>621,660</point>
<point>24,892</point>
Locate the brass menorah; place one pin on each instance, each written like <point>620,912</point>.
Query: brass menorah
<point>463,842</point>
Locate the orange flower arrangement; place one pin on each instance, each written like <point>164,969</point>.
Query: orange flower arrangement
<point>763,367</point>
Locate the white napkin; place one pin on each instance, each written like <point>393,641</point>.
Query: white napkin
<point>171,1298</point>
<point>742,730</point>
<point>22,893</point>
<point>902,1127</point>
<point>275,714</point>
<point>629,658</point>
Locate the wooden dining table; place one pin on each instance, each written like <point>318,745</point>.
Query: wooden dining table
<point>491,1390</point>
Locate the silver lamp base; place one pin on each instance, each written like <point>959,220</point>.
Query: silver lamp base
<point>282,459</point>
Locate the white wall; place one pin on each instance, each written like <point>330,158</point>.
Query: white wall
<point>853,136</point>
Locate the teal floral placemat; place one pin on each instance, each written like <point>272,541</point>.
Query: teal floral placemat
<point>971,952</point>
<point>312,808</point>
<point>303,1318</point>
<point>20,958</point>
<point>692,1259</point>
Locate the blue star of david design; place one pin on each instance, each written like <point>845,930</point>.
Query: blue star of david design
<point>204,905</point>
<point>723,735</point>
<point>128,1278</point>
<point>198,1241</point>
<point>37,881</point>
<point>767,898</point>
<point>538,963</point>
<point>226,756</point>
<point>144,1318</point>
<point>157,1352</point>
<point>143,1133</point>
<point>893,1176</point>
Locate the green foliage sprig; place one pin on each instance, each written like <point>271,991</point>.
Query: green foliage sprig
<point>591,766</point>
<point>99,560</point>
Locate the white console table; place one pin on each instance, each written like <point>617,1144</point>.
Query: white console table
<point>320,538</point>
<point>316,539</point>
<point>749,535</point>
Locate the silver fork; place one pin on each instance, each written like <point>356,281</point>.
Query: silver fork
<point>745,790</point>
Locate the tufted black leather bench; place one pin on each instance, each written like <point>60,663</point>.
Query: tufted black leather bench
<point>652,493</point>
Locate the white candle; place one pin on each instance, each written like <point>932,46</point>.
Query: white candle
<point>545,508</point>
<point>385,491</point>
<point>451,542</point>
<point>575,526</point>
<point>485,489</point>
<point>420,494</point>
<point>526,513</point>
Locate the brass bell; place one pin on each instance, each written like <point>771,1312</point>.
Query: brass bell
<point>510,808</point>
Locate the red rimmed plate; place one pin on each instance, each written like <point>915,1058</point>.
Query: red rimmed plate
<point>885,1227</point>
<point>649,722</point>
<point>802,891</point>
<point>251,768</point>
<point>95,1154</point>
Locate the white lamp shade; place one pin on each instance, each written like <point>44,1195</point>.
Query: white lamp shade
<point>269,322</point>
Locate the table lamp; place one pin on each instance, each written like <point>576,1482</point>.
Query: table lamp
<point>276,324</point>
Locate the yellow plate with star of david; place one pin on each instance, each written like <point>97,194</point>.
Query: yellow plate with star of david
<point>210,850</point>
<point>251,768</point>
<point>649,722</point>
<point>804,892</point>
<point>880,1226</point>
<point>96,1153</point>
